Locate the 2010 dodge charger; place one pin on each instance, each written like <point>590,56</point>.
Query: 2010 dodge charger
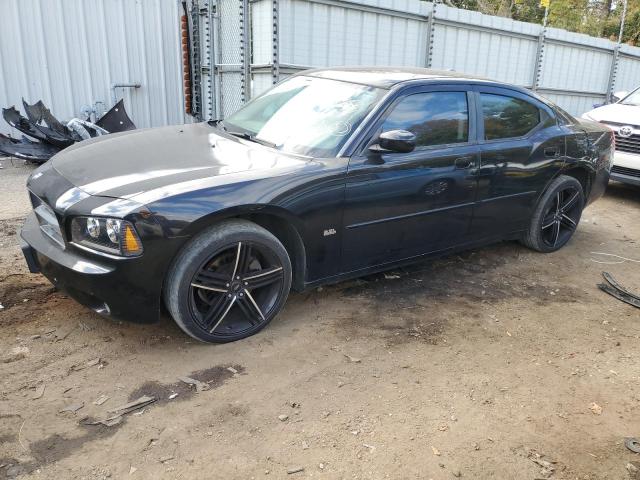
<point>331,174</point>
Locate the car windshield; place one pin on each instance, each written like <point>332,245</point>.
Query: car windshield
<point>305,115</point>
<point>632,99</point>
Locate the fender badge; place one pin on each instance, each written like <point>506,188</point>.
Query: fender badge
<point>330,231</point>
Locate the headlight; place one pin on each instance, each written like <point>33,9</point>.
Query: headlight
<point>109,235</point>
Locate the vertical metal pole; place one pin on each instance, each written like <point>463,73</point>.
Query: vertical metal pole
<point>245,49</point>
<point>430,35</point>
<point>217,79</point>
<point>624,16</point>
<point>537,73</point>
<point>616,56</point>
<point>206,60</point>
<point>275,58</point>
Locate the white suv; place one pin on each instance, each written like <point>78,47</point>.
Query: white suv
<point>624,118</point>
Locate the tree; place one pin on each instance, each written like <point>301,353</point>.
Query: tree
<point>599,18</point>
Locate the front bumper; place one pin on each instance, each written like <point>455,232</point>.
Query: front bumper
<point>114,287</point>
<point>626,168</point>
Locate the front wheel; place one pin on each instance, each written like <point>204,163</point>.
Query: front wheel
<point>228,282</point>
<point>556,216</point>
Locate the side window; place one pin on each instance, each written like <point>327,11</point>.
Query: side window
<point>507,117</point>
<point>435,118</point>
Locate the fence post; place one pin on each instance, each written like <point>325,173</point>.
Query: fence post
<point>537,72</point>
<point>275,53</point>
<point>245,50</point>
<point>206,61</point>
<point>616,55</point>
<point>613,72</point>
<point>430,35</point>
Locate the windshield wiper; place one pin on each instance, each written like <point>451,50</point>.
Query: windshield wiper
<point>243,135</point>
<point>251,138</point>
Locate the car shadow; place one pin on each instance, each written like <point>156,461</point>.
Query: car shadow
<point>622,191</point>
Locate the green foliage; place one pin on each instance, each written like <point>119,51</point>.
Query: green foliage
<point>599,18</point>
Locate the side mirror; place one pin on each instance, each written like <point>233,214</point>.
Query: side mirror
<point>617,96</point>
<point>400,141</point>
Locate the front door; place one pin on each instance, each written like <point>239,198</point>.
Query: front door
<point>401,205</point>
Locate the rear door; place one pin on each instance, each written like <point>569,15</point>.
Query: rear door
<point>400,205</point>
<point>521,148</point>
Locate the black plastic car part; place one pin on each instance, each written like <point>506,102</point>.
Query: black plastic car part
<point>41,118</point>
<point>27,149</point>
<point>116,119</point>
<point>13,117</point>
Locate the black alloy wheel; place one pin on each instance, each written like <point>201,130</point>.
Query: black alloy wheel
<point>229,282</point>
<point>236,289</point>
<point>556,215</point>
<point>562,216</point>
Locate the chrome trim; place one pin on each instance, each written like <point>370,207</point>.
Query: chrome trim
<point>101,253</point>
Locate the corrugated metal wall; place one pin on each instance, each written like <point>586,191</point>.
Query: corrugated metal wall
<point>69,52</point>
<point>571,69</point>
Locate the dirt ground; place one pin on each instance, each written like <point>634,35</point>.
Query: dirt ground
<point>496,363</point>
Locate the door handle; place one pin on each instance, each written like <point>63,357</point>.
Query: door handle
<point>465,162</point>
<point>551,151</point>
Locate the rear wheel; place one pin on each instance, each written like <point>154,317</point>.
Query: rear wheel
<point>556,216</point>
<point>228,282</point>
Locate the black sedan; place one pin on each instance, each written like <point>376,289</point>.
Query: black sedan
<point>329,175</point>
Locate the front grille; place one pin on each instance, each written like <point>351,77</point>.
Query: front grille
<point>625,171</point>
<point>628,144</point>
<point>47,219</point>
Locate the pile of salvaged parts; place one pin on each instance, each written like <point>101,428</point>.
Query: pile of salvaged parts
<point>49,135</point>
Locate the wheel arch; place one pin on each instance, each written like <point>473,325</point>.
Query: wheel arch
<point>581,174</point>
<point>285,226</point>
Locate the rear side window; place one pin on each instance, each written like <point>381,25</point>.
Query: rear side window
<point>435,118</point>
<point>507,117</point>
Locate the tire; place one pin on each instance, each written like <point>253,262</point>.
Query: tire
<point>556,215</point>
<point>228,282</point>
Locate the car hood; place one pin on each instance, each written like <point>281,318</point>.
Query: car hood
<point>128,164</point>
<point>616,113</point>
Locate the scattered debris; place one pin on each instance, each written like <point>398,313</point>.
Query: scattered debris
<point>305,445</point>
<point>73,408</point>
<point>293,470</point>
<point>132,470</point>
<point>101,399</point>
<point>283,418</point>
<point>353,359</point>
<point>232,370</point>
<point>443,428</point>
<point>616,290</point>
<point>435,451</point>
<point>17,353</point>
<point>166,458</point>
<point>39,392</point>
<point>595,408</point>
<point>82,366</point>
<point>632,444</point>
<point>48,135</point>
<point>132,406</point>
<point>632,468</point>
<point>61,334</point>
<point>200,386</point>
<point>173,395</point>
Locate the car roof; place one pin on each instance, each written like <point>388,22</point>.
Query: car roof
<point>388,77</point>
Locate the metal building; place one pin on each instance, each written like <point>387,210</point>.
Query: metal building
<point>201,59</point>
